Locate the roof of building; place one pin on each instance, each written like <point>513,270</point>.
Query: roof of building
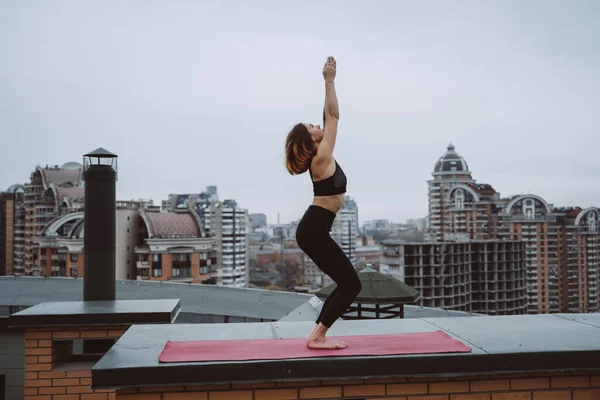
<point>569,212</point>
<point>482,188</point>
<point>451,160</point>
<point>195,299</point>
<point>171,224</point>
<point>60,176</point>
<point>74,193</point>
<point>16,187</point>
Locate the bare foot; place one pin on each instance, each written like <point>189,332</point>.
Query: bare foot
<point>318,340</point>
<point>325,343</point>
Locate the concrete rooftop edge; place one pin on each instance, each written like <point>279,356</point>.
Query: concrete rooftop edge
<point>499,344</point>
<point>77,313</point>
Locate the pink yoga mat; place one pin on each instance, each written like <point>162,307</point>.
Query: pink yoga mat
<point>275,349</point>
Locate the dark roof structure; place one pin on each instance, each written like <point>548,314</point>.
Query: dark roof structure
<point>378,288</point>
<point>171,224</point>
<point>451,162</point>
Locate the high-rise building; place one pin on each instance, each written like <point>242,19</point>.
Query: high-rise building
<point>530,219</point>
<point>562,253</point>
<point>485,277</point>
<point>12,231</point>
<point>345,228</point>
<point>561,244</point>
<point>51,192</point>
<point>580,283</point>
<point>450,170</point>
<point>228,225</point>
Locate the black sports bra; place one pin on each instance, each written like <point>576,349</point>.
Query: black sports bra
<point>335,184</point>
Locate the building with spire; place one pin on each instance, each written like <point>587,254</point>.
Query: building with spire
<point>450,170</point>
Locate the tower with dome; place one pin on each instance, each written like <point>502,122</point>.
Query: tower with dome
<point>450,170</point>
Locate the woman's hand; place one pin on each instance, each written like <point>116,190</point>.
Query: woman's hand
<point>329,70</point>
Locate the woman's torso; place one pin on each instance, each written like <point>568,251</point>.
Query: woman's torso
<point>329,192</point>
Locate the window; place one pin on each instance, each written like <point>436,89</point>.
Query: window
<point>591,219</point>
<point>459,199</point>
<point>182,271</point>
<point>156,272</point>
<point>73,271</point>
<point>73,257</point>
<point>529,209</point>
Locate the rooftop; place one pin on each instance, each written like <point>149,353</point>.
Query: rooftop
<point>506,344</point>
<point>198,302</point>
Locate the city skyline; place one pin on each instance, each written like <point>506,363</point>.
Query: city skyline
<point>207,94</point>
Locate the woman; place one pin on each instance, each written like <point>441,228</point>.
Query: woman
<point>308,147</point>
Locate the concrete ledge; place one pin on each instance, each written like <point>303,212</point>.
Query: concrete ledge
<point>565,342</point>
<point>77,313</point>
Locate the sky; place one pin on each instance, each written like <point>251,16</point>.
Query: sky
<point>197,93</point>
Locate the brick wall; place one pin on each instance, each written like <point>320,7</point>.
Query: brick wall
<point>45,379</point>
<point>533,386</point>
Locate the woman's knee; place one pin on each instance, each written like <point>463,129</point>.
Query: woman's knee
<point>353,286</point>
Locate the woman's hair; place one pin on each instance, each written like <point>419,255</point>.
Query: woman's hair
<point>299,149</point>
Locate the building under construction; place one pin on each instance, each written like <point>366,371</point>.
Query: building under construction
<point>485,277</point>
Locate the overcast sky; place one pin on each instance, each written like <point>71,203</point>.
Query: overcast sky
<point>197,93</point>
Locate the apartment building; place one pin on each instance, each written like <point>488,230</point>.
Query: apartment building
<point>12,231</point>
<point>51,192</point>
<point>173,246</point>
<point>228,225</point>
<point>60,246</point>
<point>345,228</point>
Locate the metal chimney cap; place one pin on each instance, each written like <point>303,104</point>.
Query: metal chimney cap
<point>101,153</point>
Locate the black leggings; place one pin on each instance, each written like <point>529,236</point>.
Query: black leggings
<point>314,239</point>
